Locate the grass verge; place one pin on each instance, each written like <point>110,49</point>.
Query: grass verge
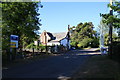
<point>99,66</point>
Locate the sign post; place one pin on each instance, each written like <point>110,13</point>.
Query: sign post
<point>13,44</point>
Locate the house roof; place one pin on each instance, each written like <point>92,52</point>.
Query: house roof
<point>51,35</point>
<point>55,37</point>
<point>59,36</point>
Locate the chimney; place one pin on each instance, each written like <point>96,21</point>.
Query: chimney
<point>68,28</point>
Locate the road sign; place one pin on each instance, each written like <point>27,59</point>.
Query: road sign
<point>13,44</point>
<point>14,41</point>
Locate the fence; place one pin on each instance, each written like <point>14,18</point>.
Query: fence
<point>56,49</point>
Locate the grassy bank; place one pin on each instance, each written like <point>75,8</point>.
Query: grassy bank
<point>99,66</point>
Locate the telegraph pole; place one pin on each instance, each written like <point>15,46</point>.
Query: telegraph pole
<point>110,33</point>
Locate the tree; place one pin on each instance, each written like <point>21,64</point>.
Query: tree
<point>103,27</point>
<point>113,18</point>
<point>114,36</point>
<point>84,36</point>
<point>20,18</point>
<point>31,46</point>
<point>103,31</point>
<point>113,21</point>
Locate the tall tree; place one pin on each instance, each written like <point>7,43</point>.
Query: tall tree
<point>114,19</point>
<point>104,30</point>
<point>83,35</point>
<point>19,18</point>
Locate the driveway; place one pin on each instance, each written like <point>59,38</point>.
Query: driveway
<point>57,67</point>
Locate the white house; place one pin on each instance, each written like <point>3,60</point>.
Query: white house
<point>50,39</point>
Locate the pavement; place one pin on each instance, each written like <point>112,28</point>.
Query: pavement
<point>58,67</point>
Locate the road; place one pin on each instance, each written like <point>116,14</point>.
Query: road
<point>58,67</point>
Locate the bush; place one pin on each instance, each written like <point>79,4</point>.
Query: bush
<point>42,47</point>
<point>95,43</point>
<point>85,42</point>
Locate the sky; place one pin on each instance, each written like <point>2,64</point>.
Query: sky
<point>56,16</point>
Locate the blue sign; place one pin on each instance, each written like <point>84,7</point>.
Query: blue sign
<point>14,37</point>
<point>14,41</point>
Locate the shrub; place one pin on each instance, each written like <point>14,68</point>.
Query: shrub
<point>42,47</point>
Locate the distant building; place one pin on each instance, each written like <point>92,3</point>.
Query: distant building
<point>50,39</point>
<point>56,42</point>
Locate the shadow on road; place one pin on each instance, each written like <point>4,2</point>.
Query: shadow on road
<point>59,67</point>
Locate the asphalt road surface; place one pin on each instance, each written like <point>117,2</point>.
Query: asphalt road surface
<point>60,66</point>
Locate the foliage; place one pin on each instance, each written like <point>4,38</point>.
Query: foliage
<point>114,36</point>
<point>108,18</point>
<point>85,42</point>
<point>104,30</point>
<point>31,45</point>
<point>103,27</point>
<point>19,18</point>
<point>14,0</point>
<point>114,19</point>
<point>83,35</point>
<point>42,47</point>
